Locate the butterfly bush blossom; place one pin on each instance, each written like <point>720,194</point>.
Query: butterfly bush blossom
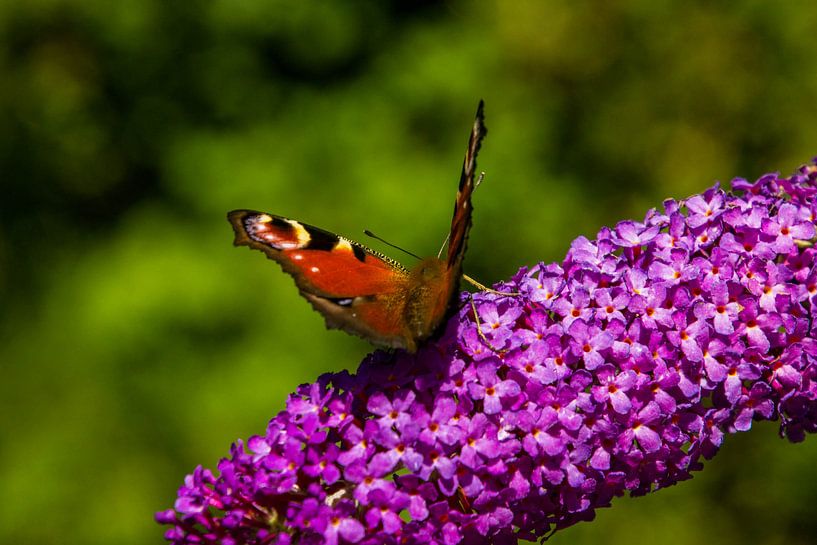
<point>618,370</point>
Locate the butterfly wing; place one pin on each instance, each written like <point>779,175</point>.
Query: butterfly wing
<point>461,221</point>
<point>353,287</point>
<point>434,283</point>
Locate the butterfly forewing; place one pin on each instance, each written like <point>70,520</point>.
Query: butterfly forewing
<point>355,288</point>
<point>321,262</point>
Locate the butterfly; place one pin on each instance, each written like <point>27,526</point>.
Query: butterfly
<point>360,290</point>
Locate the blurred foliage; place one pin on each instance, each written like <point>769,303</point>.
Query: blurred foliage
<point>137,342</point>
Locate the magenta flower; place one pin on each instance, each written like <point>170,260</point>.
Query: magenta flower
<point>618,370</point>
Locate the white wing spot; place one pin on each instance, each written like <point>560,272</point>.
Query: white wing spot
<point>315,269</point>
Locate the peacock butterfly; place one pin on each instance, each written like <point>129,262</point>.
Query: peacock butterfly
<point>358,289</point>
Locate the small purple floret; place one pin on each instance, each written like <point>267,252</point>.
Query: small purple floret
<point>619,370</point>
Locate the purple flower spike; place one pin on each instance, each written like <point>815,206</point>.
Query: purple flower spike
<point>619,369</point>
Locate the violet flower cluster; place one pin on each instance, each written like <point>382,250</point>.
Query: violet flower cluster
<point>619,370</point>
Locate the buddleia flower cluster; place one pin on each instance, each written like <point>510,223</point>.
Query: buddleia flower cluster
<point>620,369</point>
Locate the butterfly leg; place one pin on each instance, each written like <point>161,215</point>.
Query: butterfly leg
<point>483,287</point>
<point>479,328</point>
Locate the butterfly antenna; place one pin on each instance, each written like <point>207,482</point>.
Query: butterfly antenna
<point>396,247</point>
<point>448,236</point>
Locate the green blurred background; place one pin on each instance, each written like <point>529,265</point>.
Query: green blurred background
<point>136,342</point>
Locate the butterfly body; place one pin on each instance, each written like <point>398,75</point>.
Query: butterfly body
<point>431,291</point>
<point>362,291</point>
